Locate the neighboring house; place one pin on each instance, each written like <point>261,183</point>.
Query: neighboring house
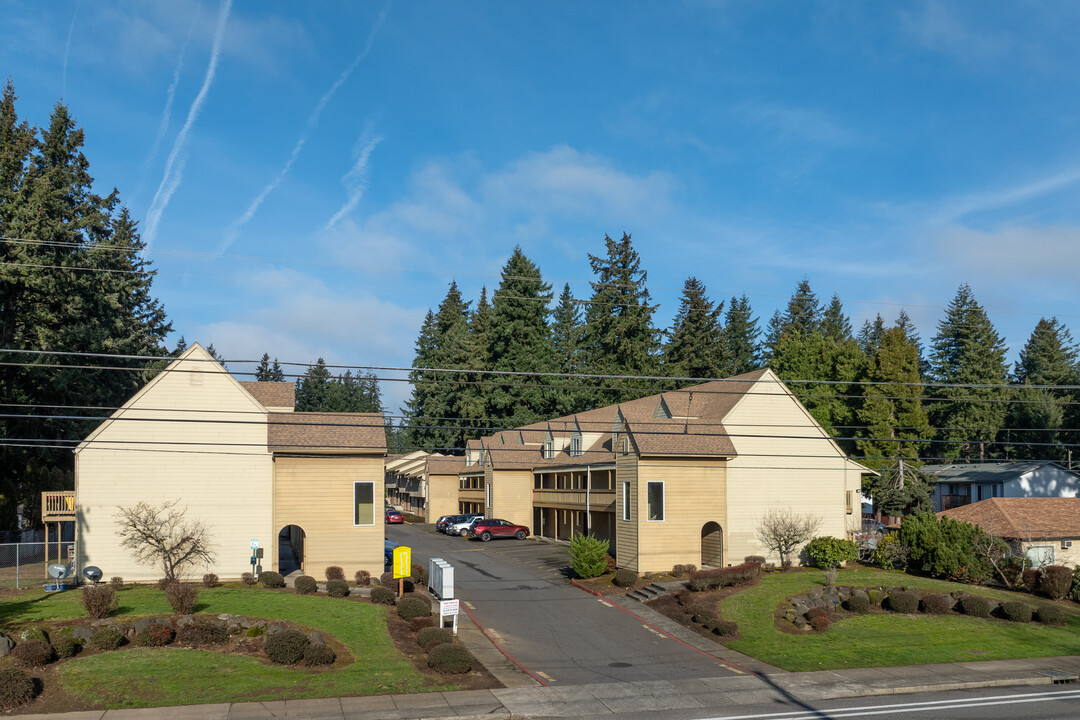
<point>962,484</point>
<point>424,484</point>
<point>1045,530</point>
<point>242,462</point>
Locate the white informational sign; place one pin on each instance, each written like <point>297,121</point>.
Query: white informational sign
<point>449,607</point>
<point>254,543</point>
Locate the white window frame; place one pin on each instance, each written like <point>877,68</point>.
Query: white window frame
<point>487,498</point>
<point>663,501</point>
<point>626,516</point>
<point>356,506</point>
<point>575,446</point>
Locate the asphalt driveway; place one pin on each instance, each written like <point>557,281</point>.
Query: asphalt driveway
<point>518,592</point>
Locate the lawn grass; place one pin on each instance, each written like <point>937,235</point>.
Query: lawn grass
<point>876,640</point>
<point>143,677</point>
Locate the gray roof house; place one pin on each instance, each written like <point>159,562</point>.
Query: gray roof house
<point>961,484</point>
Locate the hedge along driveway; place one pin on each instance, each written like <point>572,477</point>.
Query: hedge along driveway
<point>141,677</point>
<point>885,639</point>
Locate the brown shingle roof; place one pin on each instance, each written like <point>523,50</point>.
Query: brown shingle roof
<point>445,465</point>
<point>272,394</point>
<point>681,437</point>
<point>345,433</point>
<point>1022,518</point>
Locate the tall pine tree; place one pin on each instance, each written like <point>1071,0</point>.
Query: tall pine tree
<point>566,331</point>
<point>696,347</point>
<point>1037,415</point>
<point>741,338</point>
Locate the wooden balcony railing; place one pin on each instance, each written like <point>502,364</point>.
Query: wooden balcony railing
<point>58,506</point>
<point>599,500</point>
<point>954,501</point>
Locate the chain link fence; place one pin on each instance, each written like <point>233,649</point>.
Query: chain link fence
<point>25,564</point>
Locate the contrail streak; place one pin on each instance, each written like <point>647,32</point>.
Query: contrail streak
<point>67,52</point>
<point>357,178</point>
<point>312,122</point>
<point>174,167</point>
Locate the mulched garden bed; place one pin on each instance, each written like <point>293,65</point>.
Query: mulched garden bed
<point>679,606</point>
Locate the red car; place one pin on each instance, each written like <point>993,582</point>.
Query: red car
<point>488,528</point>
<point>393,517</point>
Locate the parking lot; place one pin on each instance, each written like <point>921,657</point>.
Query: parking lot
<point>518,591</point>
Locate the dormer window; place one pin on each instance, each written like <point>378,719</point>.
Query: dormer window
<point>549,449</point>
<point>575,446</point>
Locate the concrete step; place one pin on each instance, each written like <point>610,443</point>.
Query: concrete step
<point>648,593</point>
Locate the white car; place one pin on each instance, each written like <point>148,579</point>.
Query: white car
<point>461,527</point>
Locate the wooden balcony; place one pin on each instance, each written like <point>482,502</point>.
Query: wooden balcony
<point>948,502</point>
<point>471,495</point>
<point>599,500</point>
<point>58,506</point>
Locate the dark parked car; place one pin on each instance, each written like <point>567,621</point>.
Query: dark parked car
<point>443,524</point>
<point>393,517</point>
<point>489,528</point>
<point>388,552</point>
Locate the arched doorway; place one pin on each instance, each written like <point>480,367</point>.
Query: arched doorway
<point>712,545</point>
<point>290,549</point>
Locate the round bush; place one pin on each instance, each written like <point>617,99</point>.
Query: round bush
<point>418,574</point>
<point>64,646</point>
<point>386,579</point>
<point>1016,612</point>
<point>1029,578</point>
<point>876,596</point>
<point>247,579</point>
<point>902,602</point>
<point>335,572</point>
<point>625,577</point>
<point>1050,615</point>
<point>383,596</point>
<point>156,635</point>
<point>816,612</point>
<point>827,552</point>
<point>450,658</point>
<point>362,578</point>
<point>337,588</point>
<point>433,636</point>
<point>410,608</point>
<point>181,597</point>
<point>1054,581</point>
<point>976,606</point>
<point>33,653</point>
<point>305,585</point>
<point>935,604</point>
<point>210,580</point>
<point>106,638</point>
<point>286,647</point>
<point>99,601</point>
<point>16,687</point>
<point>116,583</point>
<point>318,654</point>
<point>271,579</point>
<point>202,633</point>
<point>820,623</point>
<point>857,604</point>
<point>726,628</point>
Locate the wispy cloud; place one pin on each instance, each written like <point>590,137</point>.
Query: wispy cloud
<point>174,166</point>
<point>356,180</point>
<point>958,208</point>
<point>233,231</point>
<point>67,52</point>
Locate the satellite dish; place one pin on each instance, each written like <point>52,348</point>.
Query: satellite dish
<point>92,573</point>
<point>59,571</point>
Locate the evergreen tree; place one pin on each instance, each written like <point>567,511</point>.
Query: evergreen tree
<point>696,347</point>
<point>619,337</point>
<point>967,350</point>
<point>216,355</point>
<point>1038,415</point>
<point>900,489</point>
<point>804,310</point>
<point>1049,357</point>
<point>870,335</point>
<point>566,330</point>
<point>741,338</point>
<point>417,419</point>
<point>520,341</point>
<point>276,374</point>
<point>262,370</point>
<point>315,391</point>
<point>773,333</point>
<point>181,346</point>
<point>834,323</point>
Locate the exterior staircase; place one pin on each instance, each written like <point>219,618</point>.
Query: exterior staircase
<point>648,593</point>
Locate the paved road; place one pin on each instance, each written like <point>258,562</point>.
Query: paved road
<point>518,592</point>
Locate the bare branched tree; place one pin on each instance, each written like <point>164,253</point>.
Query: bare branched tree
<point>161,534</point>
<point>784,530</point>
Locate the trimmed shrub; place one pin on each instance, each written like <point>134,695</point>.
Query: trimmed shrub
<point>758,559</point>
<point>857,604</point>
<point>816,612</point>
<point>202,633</point>
<point>418,574</point>
<point>64,646</point>
<point>1074,594</point>
<point>1029,578</point>
<point>433,636</point>
<point>890,553</point>
<point>16,687</point>
<point>182,597</point>
<point>116,583</point>
<point>625,577</point>
<point>318,654</point>
<point>383,596</point>
<point>1054,582</point>
<point>99,600</point>
<point>876,596</point>
<point>106,638</point>
<point>1050,615</point>
<point>820,623</point>
<point>830,576</point>
<point>683,570</point>
<point>935,604</point>
<point>612,566</point>
<point>768,567</point>
<point>450,658</point>
<point>255,631</point>
<point>286,647</point>
<point>726,628</point>
<point>829,552</point>
<point>33,653</point>
<point>902,602</point>
<point>410,608</point>
<point>362,578</point>
<point>976,606</point>
<point>210,580</point>
<point>588,556</point>
<point>271,579</point>
<point>386,579</point>
<point>305,585</point>
<point>724,577</point>
<point>1016,611</point>
<point>156,635</point>
<point>335,573</point>
<point>247,579</point>
<point>337,588</point>
<point>946,548</point>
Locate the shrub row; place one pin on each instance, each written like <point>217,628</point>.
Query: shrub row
<point>743,574</point>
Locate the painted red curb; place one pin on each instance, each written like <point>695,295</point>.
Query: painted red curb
<point>503,650</point>
<point>632,614</point>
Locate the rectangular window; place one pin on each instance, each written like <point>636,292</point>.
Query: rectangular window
<point>363,503</point>
<point>487,498</point>
<point>656,501</point>
<point>626,501</point>
<point>575,446</point>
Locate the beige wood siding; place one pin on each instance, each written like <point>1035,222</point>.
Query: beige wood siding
<point>694,494</point>
<point>442,496</point>
<point>626,532</point>
<point>511,496</point>
<point>215,462</point>
<point>316,493</point>
<point>803,470</point>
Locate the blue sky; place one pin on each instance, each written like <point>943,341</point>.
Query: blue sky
<point>311,176</point>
